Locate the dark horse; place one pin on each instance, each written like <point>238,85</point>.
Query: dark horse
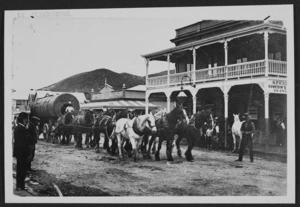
<point>63,128</point>
<point>105,123</point>
<point>82,123</point>
<point>192,132</point>
<point>166,129</point>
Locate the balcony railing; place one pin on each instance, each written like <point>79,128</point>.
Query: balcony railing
<point>247,69</point>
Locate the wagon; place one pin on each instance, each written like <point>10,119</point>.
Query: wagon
<point>49,109</point>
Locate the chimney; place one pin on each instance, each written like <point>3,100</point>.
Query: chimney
<point>123,89</point>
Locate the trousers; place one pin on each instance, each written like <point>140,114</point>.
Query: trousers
<point>246,141</point>
<point>21,171</point>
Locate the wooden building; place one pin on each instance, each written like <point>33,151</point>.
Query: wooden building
<point>131,98</point>
<point>230,67</point>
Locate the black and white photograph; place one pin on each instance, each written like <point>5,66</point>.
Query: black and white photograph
<point>150,105</point>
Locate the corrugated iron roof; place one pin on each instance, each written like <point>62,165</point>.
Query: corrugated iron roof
<point>137,88</point>
<point>121,104</point>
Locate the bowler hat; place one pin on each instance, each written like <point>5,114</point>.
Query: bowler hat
<point>22,116</point>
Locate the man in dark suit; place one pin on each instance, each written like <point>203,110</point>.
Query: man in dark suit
<point>21,149</point>
<point>33,137</point>
<point>248,129</point>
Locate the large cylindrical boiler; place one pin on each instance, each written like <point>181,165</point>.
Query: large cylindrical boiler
<point>52,107</point>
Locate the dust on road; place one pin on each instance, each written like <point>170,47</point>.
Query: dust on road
<point>214,173</point>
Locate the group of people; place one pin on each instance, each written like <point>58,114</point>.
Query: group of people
<point>212,136</point>
<point>25,136</point>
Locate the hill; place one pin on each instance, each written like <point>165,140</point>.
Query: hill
<point>84,82</point>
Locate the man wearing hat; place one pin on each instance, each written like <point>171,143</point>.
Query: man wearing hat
<point>247,129</point>
<point>21,149</point>
<point>70,108</point>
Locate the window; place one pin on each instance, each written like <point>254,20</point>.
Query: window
<point>271,56</point>
<point>277,56</point>
<point>189,67</point>
<point>18,103</point>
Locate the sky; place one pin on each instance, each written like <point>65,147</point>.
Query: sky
<point>56,44</point>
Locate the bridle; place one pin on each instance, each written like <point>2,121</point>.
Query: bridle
<point>149,123</point>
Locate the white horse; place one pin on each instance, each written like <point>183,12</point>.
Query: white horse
<point>236,132</point>
<point>134,131</point>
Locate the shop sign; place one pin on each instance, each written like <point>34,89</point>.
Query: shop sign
<point>277,86</point>
<point>253,112</point>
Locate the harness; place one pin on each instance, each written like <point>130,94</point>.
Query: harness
<point>134,126</point>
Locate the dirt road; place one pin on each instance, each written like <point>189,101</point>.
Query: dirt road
<point>87,173</point>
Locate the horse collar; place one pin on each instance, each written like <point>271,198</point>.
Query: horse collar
<point>134,127</point>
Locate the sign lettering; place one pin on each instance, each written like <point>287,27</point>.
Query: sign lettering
<point>277,86</point>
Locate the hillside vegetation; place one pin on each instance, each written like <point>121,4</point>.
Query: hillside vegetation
<point>84,82</point>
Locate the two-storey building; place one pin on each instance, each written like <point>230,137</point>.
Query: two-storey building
<point>228,66</point>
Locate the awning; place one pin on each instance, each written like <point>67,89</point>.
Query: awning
<point>122,104</point>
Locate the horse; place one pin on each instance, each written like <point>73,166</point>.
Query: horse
<point>105,123</point>
<point>159,114</point>
<point>62,128</point>
<point>124,113</point>
<point>236,132</point>
<point>192,130</point>
<point>134,130</point>
<point>166,128</point>
<point>82,123</point>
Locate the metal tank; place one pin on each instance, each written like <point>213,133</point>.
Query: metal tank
<point>53,106</point>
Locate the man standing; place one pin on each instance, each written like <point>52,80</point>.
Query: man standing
<point>247,129</point>
<point>33,137</point>
<point>21,149</point>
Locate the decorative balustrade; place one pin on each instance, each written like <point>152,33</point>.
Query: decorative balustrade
<point>253,68</point>
<point>277,67</point>
<point>177,77</point>
<point>157,81</point>
<point>210,74</point>
<point>246,69</point>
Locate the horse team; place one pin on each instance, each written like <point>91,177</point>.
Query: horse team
<point>124,132</point>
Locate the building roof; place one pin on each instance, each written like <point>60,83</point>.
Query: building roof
<point>20,95</point>
<point>273,26</point>
<point>137,88</point>
<point>120,104</point>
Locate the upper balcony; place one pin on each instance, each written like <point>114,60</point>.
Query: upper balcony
<point>211,51</point>
<point>222,73</point>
